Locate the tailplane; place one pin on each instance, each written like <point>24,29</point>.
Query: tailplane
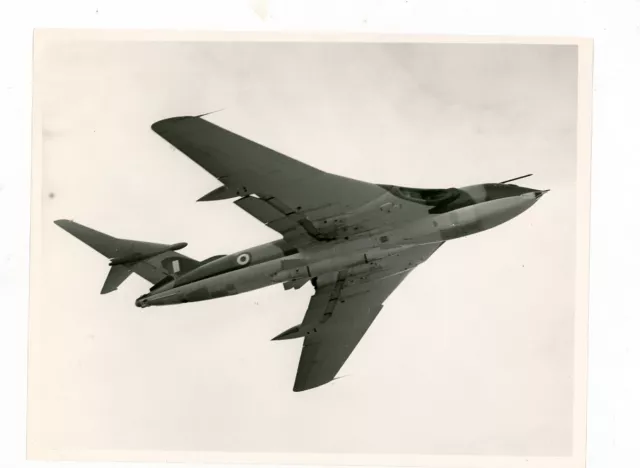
<point>117,275</point>
<point>153,262</point>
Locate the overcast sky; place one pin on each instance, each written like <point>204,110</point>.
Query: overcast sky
<point>471,355</point>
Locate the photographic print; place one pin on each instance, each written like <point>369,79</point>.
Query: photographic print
<point>309,249</point>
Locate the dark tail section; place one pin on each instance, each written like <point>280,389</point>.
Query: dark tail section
<point>151,261</point>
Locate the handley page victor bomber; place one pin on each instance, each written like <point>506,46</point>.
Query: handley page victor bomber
<point>354,241</point>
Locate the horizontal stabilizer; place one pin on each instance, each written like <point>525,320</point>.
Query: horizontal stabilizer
<point>107,245</point>
<point>138,257</point>
<point>117,275</point>
<point>102,243</point>
<point>151,261</point>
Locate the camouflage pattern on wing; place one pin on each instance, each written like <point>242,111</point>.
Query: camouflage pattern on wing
<point>343,308</point>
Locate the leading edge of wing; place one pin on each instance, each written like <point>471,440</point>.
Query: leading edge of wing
<point>246,167</point>
<point>194,135</point>
<point>324,352</point>
<point>342,310</point>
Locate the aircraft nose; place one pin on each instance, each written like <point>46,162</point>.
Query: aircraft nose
<point>539,193</point>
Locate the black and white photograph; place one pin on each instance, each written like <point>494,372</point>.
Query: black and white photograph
<point>329,249</point>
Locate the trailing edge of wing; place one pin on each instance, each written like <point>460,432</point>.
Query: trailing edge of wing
<point>327,348</point>
<point>246,167</point>
<point>340,313</point>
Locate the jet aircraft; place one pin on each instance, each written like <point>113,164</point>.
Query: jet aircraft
<point>354,241</point>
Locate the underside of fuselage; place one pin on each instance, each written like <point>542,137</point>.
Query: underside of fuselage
<point>444,214</point>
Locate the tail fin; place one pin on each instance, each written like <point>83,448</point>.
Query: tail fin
<point>151,261</point>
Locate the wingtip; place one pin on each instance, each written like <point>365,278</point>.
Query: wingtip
<point>62,222</point>
<point>299,388</point>
<point>162,124</point>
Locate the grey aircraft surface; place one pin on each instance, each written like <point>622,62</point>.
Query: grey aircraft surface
<point>354,241</point>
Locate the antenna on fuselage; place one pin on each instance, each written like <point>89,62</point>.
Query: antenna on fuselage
<point>517,178</point>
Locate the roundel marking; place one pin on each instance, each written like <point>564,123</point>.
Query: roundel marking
<point>243,259</point>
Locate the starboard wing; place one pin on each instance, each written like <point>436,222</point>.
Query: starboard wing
<point>342,310</point>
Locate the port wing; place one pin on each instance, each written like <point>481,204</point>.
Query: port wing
<point>293,198</point>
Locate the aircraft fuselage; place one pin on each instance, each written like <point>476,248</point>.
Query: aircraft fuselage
<point>474,209</point>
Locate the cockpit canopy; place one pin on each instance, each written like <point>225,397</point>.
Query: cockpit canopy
<point>428,196</point>
<point>445,200</point>
<point>442,200</point>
